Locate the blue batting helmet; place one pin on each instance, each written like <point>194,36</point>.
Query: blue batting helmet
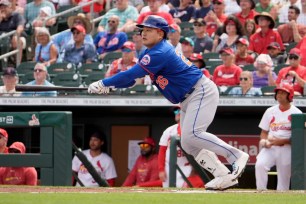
<point>154,21</point>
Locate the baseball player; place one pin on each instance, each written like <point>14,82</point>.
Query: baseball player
<point>275,140</point>
<point>103,163</point>
<point>3,141</point>
<point>182,82</point>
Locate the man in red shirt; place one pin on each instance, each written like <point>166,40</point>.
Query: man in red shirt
<point>242,56</point>
<point>145,170</point>
<point>295,74</point>
<point>266,35</point>
<point>215,17</point>
<point>3,141</point>
<point>247,10</point>
<point>18,175</point>
<point>302,46</point>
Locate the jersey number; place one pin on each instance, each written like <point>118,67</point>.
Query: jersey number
<point>184,59</point>
<point>162,82</point>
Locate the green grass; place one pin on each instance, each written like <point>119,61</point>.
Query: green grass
<point>153,198</point>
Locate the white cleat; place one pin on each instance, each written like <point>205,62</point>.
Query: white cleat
<point>221,183</point>
<point>239,165</point>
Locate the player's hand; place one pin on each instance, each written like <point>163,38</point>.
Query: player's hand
<point>98,88</point>
<point>162,175</point>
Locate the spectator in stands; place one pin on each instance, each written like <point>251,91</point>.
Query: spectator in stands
<point>283,11</point>
<point>44,13</point>
<point>184,12</point>
<point>12,21</point>
<point>302,17</point>
<point>80,51</point>
<point>249,28</point>
<point>139,4</point>
<point>103,163</point>
<point>174,36</point>
<point>292,31</point>
<point>163,8</point>
<point>266,35</point>
<point>3,141</point>
<point>66,37</point>
<point>154,6</point>
<point>302,46</point>
<point>110,40</point>
<point>197,60</point>
<point>145,170</point>
<point>268,7</point>
<point>137,39</point>
<point>202,11</point>
<point>32,10</point>
<point>40,78</point>
<point>127,15</point>
<point>228,73</point>
<point>275,139</point>
<point>127,60</point>
<point>10,80</point>
<point>187,46</point>
<point>173,3</point>
<point>263,75</point>
<point>242,57</point>
<point>247,11</point>
<point>18,6</point>
<point>98,7</point>
<point>232,31</point>
<point>245,87</point>
<point>274,51</point>
<point>293,74</point>
<point>231,7</point>
<point>45,51</point>
<point>202,41</point>
<point>216,17</point>
<point>18,175</point>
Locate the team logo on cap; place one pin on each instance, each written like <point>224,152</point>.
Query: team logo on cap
<point>145,60</point>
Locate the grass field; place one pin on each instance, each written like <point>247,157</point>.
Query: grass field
<point>144,196</point>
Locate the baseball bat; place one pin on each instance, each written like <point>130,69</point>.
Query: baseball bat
<point>36,88</point>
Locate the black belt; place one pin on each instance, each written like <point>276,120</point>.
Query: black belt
<point>188,94</point>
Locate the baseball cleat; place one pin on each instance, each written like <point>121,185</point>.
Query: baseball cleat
<point>239,165</point>
<point>221,183</point>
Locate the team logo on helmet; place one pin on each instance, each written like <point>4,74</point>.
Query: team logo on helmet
<point>145,60</point>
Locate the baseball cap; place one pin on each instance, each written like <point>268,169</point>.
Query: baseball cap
<point>243,41</point>
<point>128,46</point>
<point>267,16</point>
<point>227,50</point>
<point>18,146</point>
<point>187,40</point>
<point>274,45</point>
<point>78,28</point>
<point>295,51</point>
<point>5,2</point>
<point>218,1</point>
<point>9,71</point>
<point>3,133</point>
<point>46,10</point>
<point>148,140</point>
<point>174,27</point>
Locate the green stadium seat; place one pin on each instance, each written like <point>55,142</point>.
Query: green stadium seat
<point>268,90</point>
<point>95,67</point>
<point>25,67</point>
<point>111,56</point>
<point>67,79</point>
<point>139,89</point>
<point>92,77</point>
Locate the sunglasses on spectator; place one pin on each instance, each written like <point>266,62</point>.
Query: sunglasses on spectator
<point>291,57</point>
<point>38,70</point>
<point>172,30</point>
<point>111,21</point>
<point>198,24</point>
<point>126,50</point>
<point>144,145</point>
<point>218,3</point>
<point>178,111</point>
<point>243,79</point>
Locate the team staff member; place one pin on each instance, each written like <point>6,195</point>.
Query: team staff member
<point>182,82</point>
<point>3,141</point>
<point>275,140</point>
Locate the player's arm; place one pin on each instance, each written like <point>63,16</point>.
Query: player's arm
<point>162,162</point>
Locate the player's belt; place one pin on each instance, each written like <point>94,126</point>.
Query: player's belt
<point>188,94</point>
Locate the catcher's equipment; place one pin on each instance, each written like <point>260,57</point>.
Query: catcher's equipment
<point>287,88</point>
<point>154,21</point>
<point>98,88</point>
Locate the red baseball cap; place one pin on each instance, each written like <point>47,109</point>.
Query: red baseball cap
<point>195,57</point>
<point>3,133</point>
<point>243,41</point>
<point>175,27</point>
<point>274,45</point>
<point>218,1</point>
<point>227,50</point>
<point>295,51</point>
<point>130,45</point>
<point>79,28</point>
<point>148,140</point>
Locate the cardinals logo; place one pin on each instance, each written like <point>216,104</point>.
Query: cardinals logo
<point>34,121</point>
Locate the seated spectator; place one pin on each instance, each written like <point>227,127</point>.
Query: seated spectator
<point>268,7</point>
<point>44,13</point>
<point>127,15</point>
<point>40,78</point>
<point>274,51</point>
<point>187,46</point>
<point>302,17</point>
<point>98,7</point>
<point>145,170</point>
<point>139,4</point>
<point>302,46</point>
<point>162,8</point>
<point>45,51</point>
<point>292,31</point>
<point>242,57</point>
<point>184,12</point>
<point>124,63</point>
<point>249,28</point>
<point>266,35</point>
<point>283,11</point>
<point>80,51</point>
<point>3,141</point>
<point>10,80</point>
<point>204,7</point>
<point>110,40</point>
<point>202,41</point>
<point>18,175</point>
<point>18,6</point>
<point>66,37</point>
<point>32,10</point>
<point>174,37</point>
<point>228,73</point>
<point>263,75</point>
<point>102,162</point>
<point>295,74</point>
<point>139,46</point>
<point>197,60</point>
<point>216,17</point>
<point>246,86</point>
<point>247,11</point>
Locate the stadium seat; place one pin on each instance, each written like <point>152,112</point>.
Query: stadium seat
<point>268,90</point>
<point>111,56</point>
<point>248,67</point>
<point>26,78</point>
<point>211,66</point>
<point>92,77</point>
<point>67,79</point>
<point>25,67</point>
<point>139,89</point>
<point>96,67</point>
<point>187,33</point>
<point>279,67</point>
<point>56,68</point>
<point>185,25</point>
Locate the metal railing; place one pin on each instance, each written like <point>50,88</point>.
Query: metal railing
<point>16,51</point>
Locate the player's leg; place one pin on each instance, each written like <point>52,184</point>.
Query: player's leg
<point>265,160</point>
<point>283,166</point>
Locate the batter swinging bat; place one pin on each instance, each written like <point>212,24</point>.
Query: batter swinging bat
<point>36,88</point>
